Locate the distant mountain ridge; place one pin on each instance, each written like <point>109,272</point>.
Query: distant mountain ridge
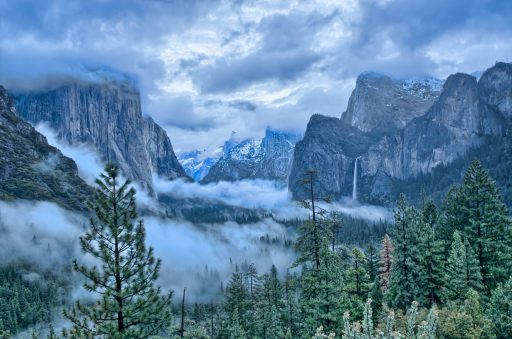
<point>405,143</point>
<point>105,113</point>
<point>269,158</point>
<point>198,163</point>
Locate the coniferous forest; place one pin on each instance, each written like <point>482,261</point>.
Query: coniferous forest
<point>438,272</point>
<point>241,169</point>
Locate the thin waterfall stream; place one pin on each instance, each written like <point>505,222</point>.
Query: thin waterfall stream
<point>354,182</point>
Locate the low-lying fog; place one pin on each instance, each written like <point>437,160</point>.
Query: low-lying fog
<point>196,256</point>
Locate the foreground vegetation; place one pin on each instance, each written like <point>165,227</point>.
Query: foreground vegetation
<point>442,272</point>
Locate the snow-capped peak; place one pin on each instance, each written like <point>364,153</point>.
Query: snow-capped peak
<point>422,86</point>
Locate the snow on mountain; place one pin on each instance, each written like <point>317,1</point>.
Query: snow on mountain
<point>268,158</point>
<point>422,86</point>
<point>197,163</point>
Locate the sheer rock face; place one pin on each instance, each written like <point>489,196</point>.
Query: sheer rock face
<point>277,161</point>
<point>380,103</point>
<point>461,117</point>
<point>329,146</point>
<point>495,90</point>
<point>269,159</point>
<point>30,168</point>
<point>106,115</point>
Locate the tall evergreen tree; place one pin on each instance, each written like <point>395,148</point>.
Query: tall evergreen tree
<point>486,225</point>
<point>433,250</point>
<point>129,304</point>
<point>323,297</point>
<point>237,302</point>
<point>372,267</point>
<point>408,275</point>
<point>372,261</point>
<point>451,217</point>
<point>291,303</point>
<point>269,306</point>
<point>358,278</point>
<point>252,278</point>
<point>462,270</point>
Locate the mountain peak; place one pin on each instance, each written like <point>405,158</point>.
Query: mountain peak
<point>107,116</point>
<point>381,103</point>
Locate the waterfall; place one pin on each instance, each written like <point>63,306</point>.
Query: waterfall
<point>354,183</point>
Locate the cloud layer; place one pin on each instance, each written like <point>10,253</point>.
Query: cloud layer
<point>44,233</point>
<point>207,68</point>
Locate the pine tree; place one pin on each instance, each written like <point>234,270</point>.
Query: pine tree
<point>372,267</point>
<point>473,273</point>
<point>235,329</point>
<point>129,305</point>
<point>322,294</point>
<point>462,270</point>
<point>314,233</point>
<point>372,262</point>
<point>291,303</point>
<point>252,278</point>
<point>484,219</point>
<point>500,309</point>
<point>385,262</point>
<point>433,248</point>
<point>275,325</point>
<point>269,307</point>
<point>408,275</point>
<point>237,302</point>
<point>358,278</point>
<point>456,281</point>
<point>451,218</point>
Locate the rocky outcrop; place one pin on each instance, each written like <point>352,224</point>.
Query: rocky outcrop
<point>159,150</point>
<point>495,90</point>
<point>30,168</point>
<point>277,161</point>
<point>330,147</point>
<point>464,116</point>
<point>381,104</point>
<point>269,159</point>
<point>105,114</point>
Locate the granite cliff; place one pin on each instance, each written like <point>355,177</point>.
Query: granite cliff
<point>401,144</point>
<point>105,114</point>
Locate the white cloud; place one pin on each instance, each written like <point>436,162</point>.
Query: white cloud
<point>245,193</point>
<point>88,162</point>
<point>45,234</point>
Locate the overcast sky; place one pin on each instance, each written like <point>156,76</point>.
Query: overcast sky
<point>206,68</point>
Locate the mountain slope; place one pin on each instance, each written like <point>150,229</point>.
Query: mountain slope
<point>465,119</point>
<point>269,158</point>
<point>105,114</point>
<point>197,163</point>
<point>30,168</point>
<point>380,103</point>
